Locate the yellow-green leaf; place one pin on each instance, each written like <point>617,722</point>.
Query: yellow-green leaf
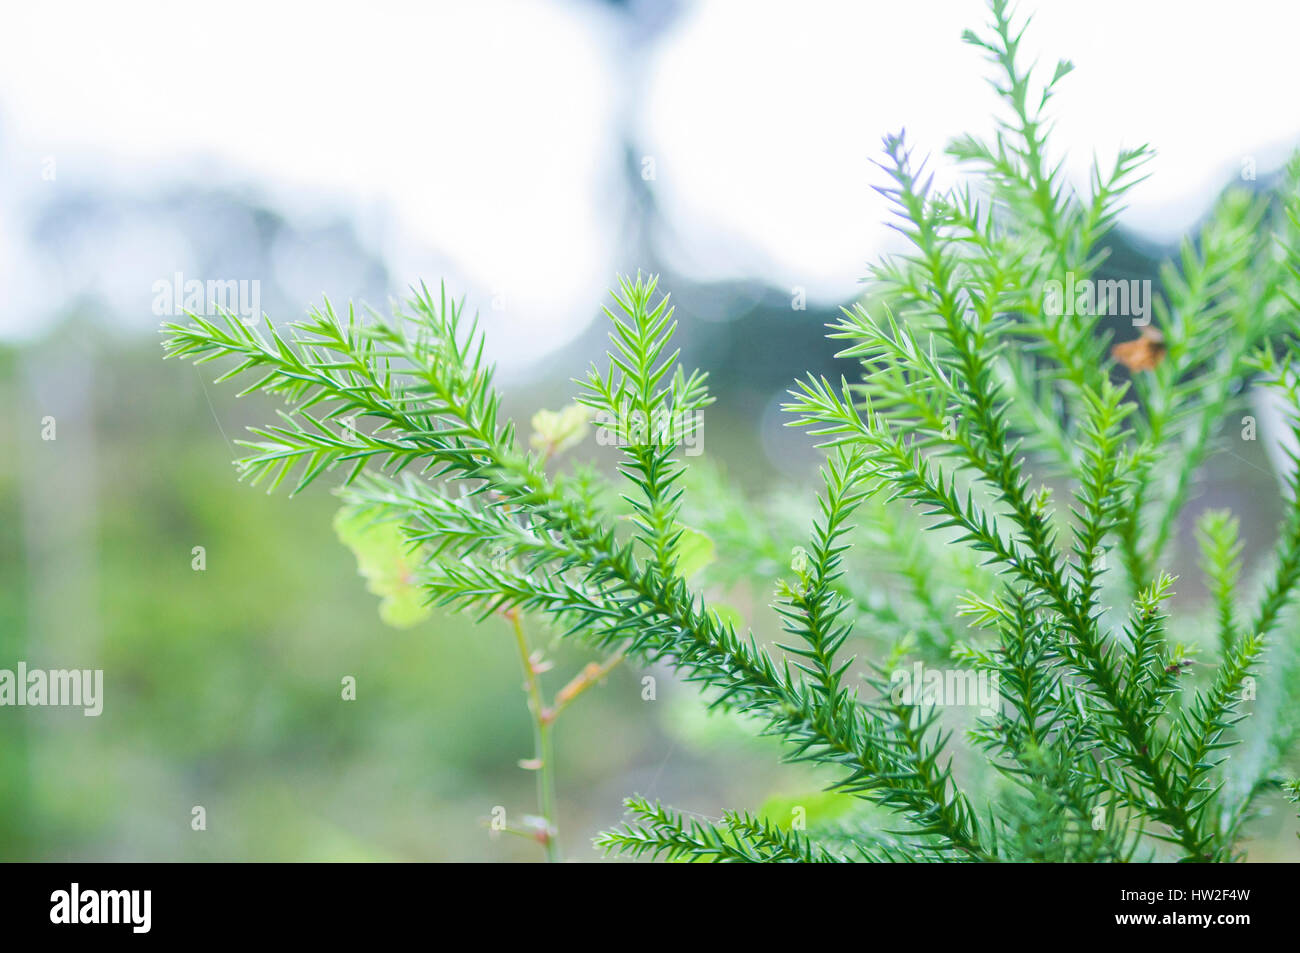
<point>554,432</point>
<point>694,551</point>
<point>812,808</point>
<point>385,564</point>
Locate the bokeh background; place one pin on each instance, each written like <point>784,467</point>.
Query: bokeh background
<point>525,152</point>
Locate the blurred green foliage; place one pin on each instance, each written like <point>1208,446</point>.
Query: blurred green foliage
<point>223,687</point>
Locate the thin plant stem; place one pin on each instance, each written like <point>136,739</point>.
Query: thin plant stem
<point>593,674</point>
<point>543,749</point>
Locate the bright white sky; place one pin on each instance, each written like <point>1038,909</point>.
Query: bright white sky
<point>487,131</point>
